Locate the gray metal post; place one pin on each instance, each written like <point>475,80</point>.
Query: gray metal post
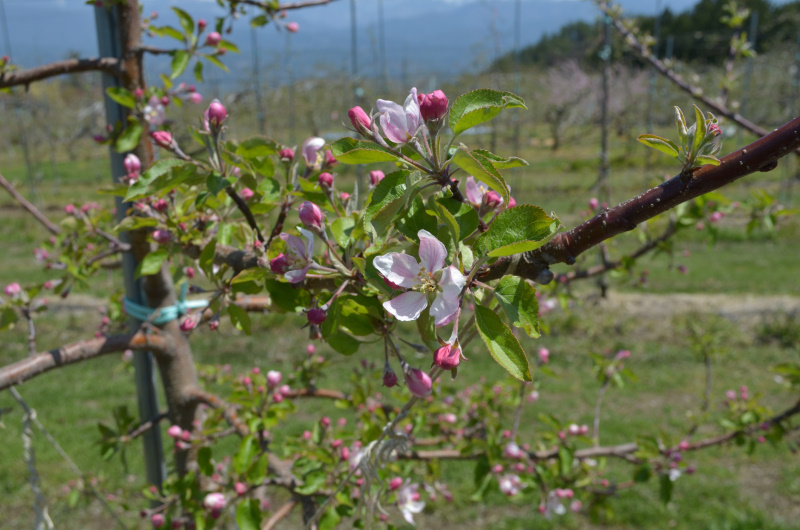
<point>357,91</point>
<point>110,45</point>
<point>262,122</point>
<point>748,68</point>
<point>516,115</point>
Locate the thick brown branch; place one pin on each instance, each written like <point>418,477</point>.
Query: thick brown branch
<point>109,65</point>
<point>761,155</point>
<point>29,368</point>
<point>51,226</point>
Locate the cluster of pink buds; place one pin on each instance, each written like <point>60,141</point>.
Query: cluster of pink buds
<point>132,166</point>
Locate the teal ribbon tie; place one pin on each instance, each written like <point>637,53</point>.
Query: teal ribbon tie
<point>162,314</point>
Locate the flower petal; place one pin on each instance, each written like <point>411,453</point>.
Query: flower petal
<point>295,244</point>
<point>473,192</point>
<point>310,148</point>
<point>444,307</point>
<point>400,269</point>
<point>431,251</point>
<point>407,306</point>
<point>393,121</point>
<point>412,112</point>
<point>298,275</point>
<point>309,242</point>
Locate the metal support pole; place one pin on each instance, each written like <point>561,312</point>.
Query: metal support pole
<point>516,115</point>
<point>262,121</point>
<point>110,45</point>
<point>357,90</point>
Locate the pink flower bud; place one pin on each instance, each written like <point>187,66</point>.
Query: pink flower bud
<point>325,422</point>
<point>246,381</point>
<point>162,139</point>
<point>345,453</point>
<point>375,177</point>
<point>213,39</point>
<point>593,203</point>
<point>316,316</point>
<point>214,324</point>
<point>730,395</point>
<point>326,180</point>
<point>311,349</point>
<point>573,429</point>
<point>285,390</point>
<point>165,100</point>
<point>279,264</point>
<point>132,165</point>
<point>448,356</point>
<point>196,98</point>
<point>222,50</point>
<point>497,469</point>
<point>201,24</point>
<point>544,355</point>
<point>716,217</point>
<point>389,377</point>
<point>418,382</point>
<point>158,520</point>
<point>700,226</point>
<point>189,272</point>
<point>214,501</point>
<point>240,488</point>
<point>511,202</point>
<point>247,194</point>
<point>683,269</point>
<point>216,113</point>
<point>186,436</point>
<point>188,324</point>
<point>344,196</point>
<point>359,119</point>
<point>306,435</point>
<point>13,289</point>
<point>161,236</point>
<point>432,106</point>
<point>161,205</point>
<point>277,398</point>
<point>286,154</point>
<point>584,430</point>
<point>311,215</point>
<point>714,129</point>
<point>336,444</point>
<point>174,431</point>
<point>395,483</point>
<point>492,199</point>
<point>330,160</point>
<point>69,209</point>
<point>293,27</point>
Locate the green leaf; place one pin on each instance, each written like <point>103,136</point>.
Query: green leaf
<point>151,263</point>
<point>519,229</point>
<point>416,219</point>
<point>480,106</point>
<point>341,228</point>
<point>700,129</point>
<point>707,159</point>
<point>659,143</point>
<point>330,519</point>
<point>680,123</point>
<point>248,448</point>
<point>498,161</point>
<point>122,96</point>
<point>643,473</point>
<point>518,299</point>
<point>464,214</point>
<point>255,147</point>
<point>481,169</point>
<point>180,60</point>
<point>248,515</point>
<point>216,62</point>
<point>169,31</point>
<point>228,45</point>
<point>198,71</point>
<point>502,343</point>
<point>132,223</point>
<point>185,19</point>
<point>665,489</point>
<point>8,318</point>
<point>287,297</point>
<point>352,151</point>
<point>206,261</point>
<point>388,198</point>
<point>144,186</point>
<point>565,458</point>
<point>129,138</point>
<point>204,461</point>
<point>239,318</point>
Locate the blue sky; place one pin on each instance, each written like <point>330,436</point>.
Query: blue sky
<point>423,37</point>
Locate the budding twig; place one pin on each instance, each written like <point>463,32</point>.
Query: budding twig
<point>109,65</point>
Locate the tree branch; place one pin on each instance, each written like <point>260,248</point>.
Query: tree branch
<point>284,7</point>
<point>28,368</point>
<point>51,226</point>
<point>761,155</point>
<point>280,514</point>
<point>109,65</point>
<point>697,93</point>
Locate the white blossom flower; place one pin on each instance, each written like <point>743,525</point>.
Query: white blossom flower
<point>408,501</point>
<point>299,258</point>
<point>400,124</point>
<point>427,280</point>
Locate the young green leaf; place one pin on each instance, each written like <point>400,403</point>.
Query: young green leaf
<point>122,96</point>
<point>700,129</point>
<point>659,143</point>
<point>352,151</point>
<point>482,170</point>
<point>680,123</point>
<point>185,19</point>
<point>498,161</point>
<point>129,138</point>
<point>502,343</point>
<point>151,263</point>
<point>518,299</point>
<point>480,106</point>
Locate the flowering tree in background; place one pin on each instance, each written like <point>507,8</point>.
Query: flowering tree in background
<point>430,257</point>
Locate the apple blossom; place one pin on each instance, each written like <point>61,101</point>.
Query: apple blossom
<point>544,355</point>
<point>408,501</point>
<point>154,112</point>
<point>247,194</point>
<point>214,501</point>
<point>274,378</point>
<point>13,289</point>
<point>201,24</point>
<point>510,484</point>
<point>132,166</point>
<point>513,451</point>
<point>163,139</point>
<point>432,106</point>
<point>448,356</point>
<point>326,180</point>
<point>311,148</point>
<point>426,278</point>
<point>299,258</point>
<point>279,264</point>
<point>158,520</point>
<point>175,431</point>
<point>216,112</point>
<point>293,27</point>
<point>316,316</point>
<point>389,377</point>
<point>400,123</point>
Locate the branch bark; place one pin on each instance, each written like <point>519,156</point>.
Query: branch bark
<point>761,155</point>
<point>40,363</point>
<point>25,203</point>
<point>108,65</point>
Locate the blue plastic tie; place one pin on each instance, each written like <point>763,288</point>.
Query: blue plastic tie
<point>164,314</point>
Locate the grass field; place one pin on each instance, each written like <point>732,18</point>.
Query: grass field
<point>731,490</point>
